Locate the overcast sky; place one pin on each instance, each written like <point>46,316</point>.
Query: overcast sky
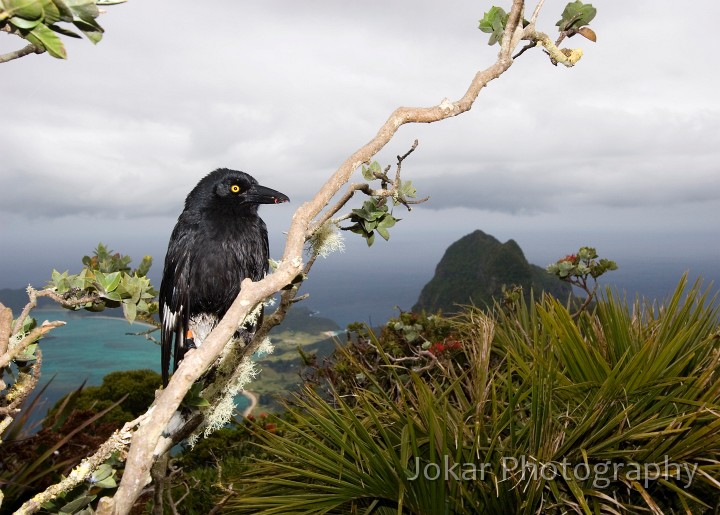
<point>620,152</point>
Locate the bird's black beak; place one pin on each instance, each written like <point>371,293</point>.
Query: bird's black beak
<point>262,195</point>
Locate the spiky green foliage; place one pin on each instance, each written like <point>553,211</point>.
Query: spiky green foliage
<point>31,462</point>
<point>615,411</point>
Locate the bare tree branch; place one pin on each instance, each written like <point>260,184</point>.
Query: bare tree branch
<point>148,441</point>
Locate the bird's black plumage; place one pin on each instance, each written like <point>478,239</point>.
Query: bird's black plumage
<point>218,241</point>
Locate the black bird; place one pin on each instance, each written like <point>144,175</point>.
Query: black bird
<point>218,241</point>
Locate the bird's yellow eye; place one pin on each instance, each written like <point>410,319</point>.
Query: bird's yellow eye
<point>235,188</point>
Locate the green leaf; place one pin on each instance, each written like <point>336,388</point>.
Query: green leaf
<point>382,231</point>
<point>77,504</point>
<point>367,174</point>
<point>194,399</point>
<point>368,225</point>
<point>387,222</point>
<point>111,281</point>
<point>575,15</point>
<point>102,472</point>
<point>28,324</point>
<point>113,295</point>
<point>130,310</point>
<point>28,9</point>
<point>406,190</point>
<point>84,10</point>
<point>493,23</point>
<point>107,483</point>
<point>28,354</point>
<point>94,35</point>
<point>144,267</point>
<point>84,14</point>
<point>43,37</point>
<point>60,281</point>
<point>361,213</point>
<point>51,12</point>
<point>65,12</point>
<point>104,477</point>
<point>22,23</point>
<point>65,32</point>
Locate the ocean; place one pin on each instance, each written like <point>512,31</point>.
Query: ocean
<point>86,349</point>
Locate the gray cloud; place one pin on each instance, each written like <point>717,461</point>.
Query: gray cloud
<point>123,130</point>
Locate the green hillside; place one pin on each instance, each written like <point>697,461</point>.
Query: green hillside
<point>474,270</point>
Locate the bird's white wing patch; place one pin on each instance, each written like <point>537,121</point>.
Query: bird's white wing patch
<point>201,325</point>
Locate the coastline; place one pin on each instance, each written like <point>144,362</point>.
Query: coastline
<point>250,396</point>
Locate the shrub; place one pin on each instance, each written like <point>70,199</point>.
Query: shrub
<point>616,410</point>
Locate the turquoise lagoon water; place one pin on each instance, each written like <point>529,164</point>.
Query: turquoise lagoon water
<point>87,348</point>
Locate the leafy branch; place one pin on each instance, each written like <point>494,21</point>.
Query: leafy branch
<point>575,19</point>
<point>582,270</point>
<point>375,214</point>
<point>106,281</point>
<point>42,22</point>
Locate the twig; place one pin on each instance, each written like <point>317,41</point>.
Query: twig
<point>229,492</point>
<point>32,337</point>
<point>67,303</point>
<point>17,54</point>
<point>434,362</point>
<point>421,354</point>
<point>402,158</point>
<point>536,12</point>
<point>565,56</point>
<point>33,295</point>
<point>581,283</point>
<point>5,328</point>
<point>530,45</point>
<point>32,302</point>
<point>351,189</point>
<point>20,391</point>
<point>384,191</point>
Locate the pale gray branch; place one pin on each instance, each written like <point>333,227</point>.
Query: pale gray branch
<point>17,54</point>
<point>144,448</point>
